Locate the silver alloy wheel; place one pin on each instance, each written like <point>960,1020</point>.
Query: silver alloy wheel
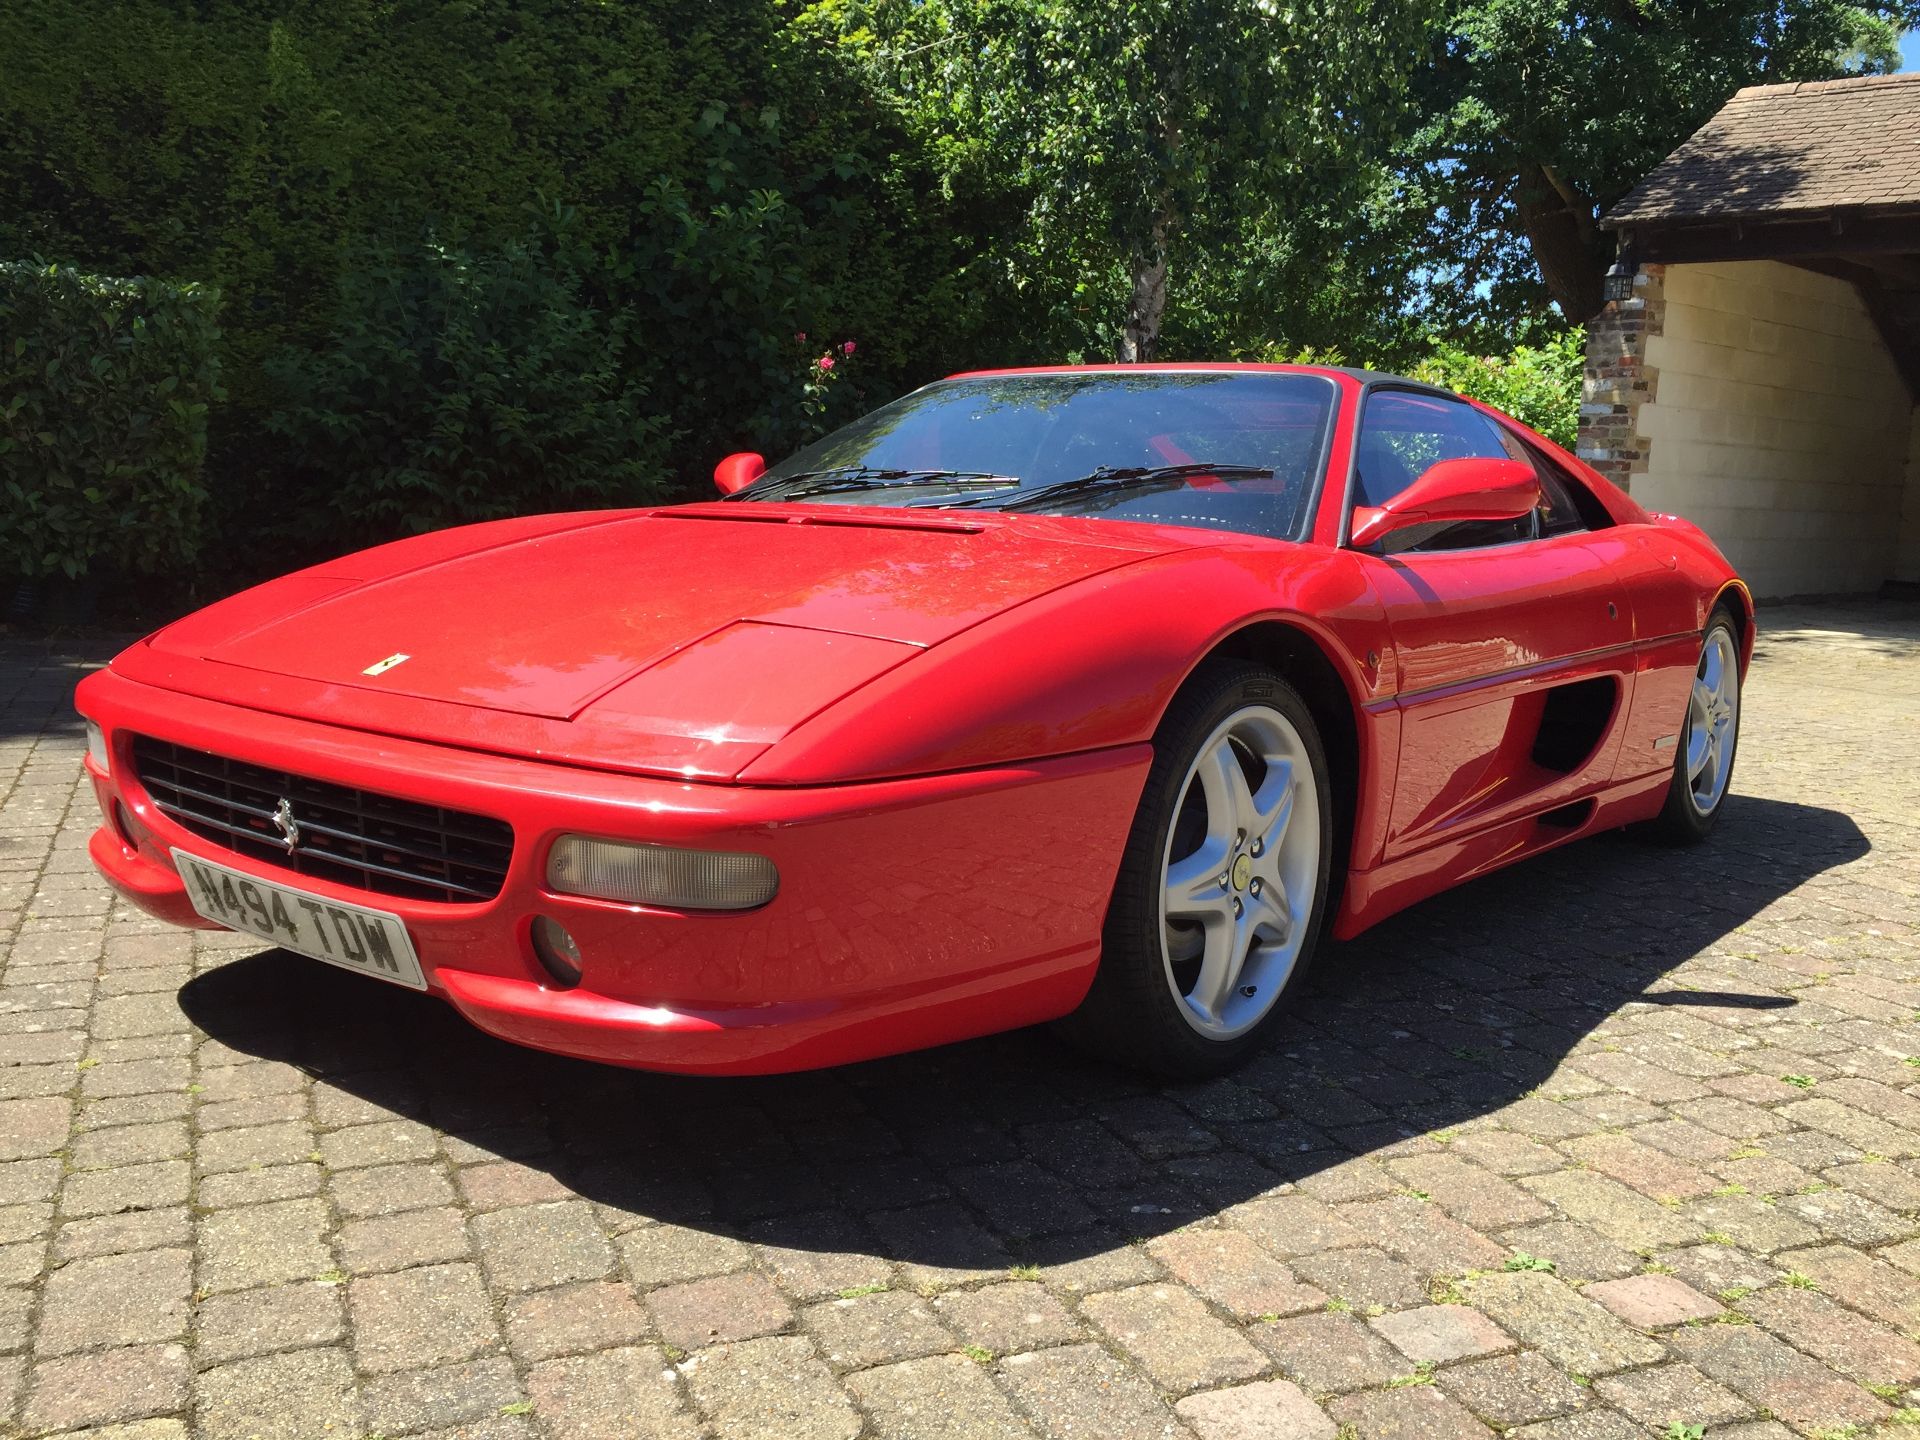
<point>1713,720</point>
<point>1240,872</point>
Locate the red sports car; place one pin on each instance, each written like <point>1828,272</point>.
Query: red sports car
<point>1085,694</point>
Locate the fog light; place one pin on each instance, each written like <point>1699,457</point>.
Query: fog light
<point>97,746</point>
<point>661,875</point>
<point>124,826</point>
<point>556,950</point>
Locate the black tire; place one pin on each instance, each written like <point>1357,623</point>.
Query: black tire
<point>1684,820</point>
<point>1133,1014</point>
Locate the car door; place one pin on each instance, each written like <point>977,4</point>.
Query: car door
<point>1512,641</point>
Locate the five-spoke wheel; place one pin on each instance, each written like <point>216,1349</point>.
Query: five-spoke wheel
<point>1709,735</point>
<point>1222,889</point>
<point>1241,873</point>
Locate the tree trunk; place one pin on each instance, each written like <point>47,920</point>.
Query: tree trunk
<point>1147,302</point>
<point>1559,225</point>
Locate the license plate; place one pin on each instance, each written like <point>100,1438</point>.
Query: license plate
<point>351,936</point>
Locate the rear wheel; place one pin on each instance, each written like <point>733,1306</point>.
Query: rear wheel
<point>1221,895</point>
<point>1703,760</point>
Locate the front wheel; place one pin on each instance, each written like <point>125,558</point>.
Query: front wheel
<point>1703,760</point>
<point>1221,895</point>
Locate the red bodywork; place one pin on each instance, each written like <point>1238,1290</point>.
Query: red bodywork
<point>935,723</point>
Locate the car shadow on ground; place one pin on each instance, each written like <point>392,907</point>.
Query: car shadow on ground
<point>1014,1150</point>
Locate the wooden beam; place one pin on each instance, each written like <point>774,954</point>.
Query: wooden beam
<point>1772,238</point>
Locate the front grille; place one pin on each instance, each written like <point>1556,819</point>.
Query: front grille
<point>351,837</point>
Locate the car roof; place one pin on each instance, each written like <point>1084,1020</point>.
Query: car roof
<point>1366,379</point>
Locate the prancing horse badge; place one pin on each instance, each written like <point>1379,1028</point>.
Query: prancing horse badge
<point>380,667</point>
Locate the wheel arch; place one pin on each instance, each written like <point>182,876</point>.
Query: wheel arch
<point>1302,659</point>
<point>1735,597</point>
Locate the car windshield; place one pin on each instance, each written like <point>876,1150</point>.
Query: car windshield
<point>1138,445</point>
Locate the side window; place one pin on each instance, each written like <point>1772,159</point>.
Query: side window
<point>1403,434</point>
<point>1569,504</point>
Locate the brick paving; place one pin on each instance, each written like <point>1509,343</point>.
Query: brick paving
<point>1624,1142</point>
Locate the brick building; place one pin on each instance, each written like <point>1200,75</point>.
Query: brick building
<point>1762,378</point>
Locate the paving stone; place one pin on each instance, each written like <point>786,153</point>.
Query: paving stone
<point>663,1254</point>
<point>1414,1412</point>
<point>1472,1195</point>
<point>1781,1380</point>
<point>411,1237</point>
<point>75,1391</point>
<point>503,1183</point>
<point>1173,1336</point>
<point>1623,1216</point>
<point>1750,1224</point>
<point>120,1234</point>
<point>387,1189</point>
<point>1437,1334</point>
<point>1289,1225</point>
<point>1230,1268</point>
<point>420,1317</point>
<point>253,1187</point>
<point>1004,1319</point>
<point>1866,1283</point>
<point>1263,1410</point>
<point>263,1245</point>
<point>1573,1332</point>
<point>445,1395</point>
<point>628,1392</point>
<point>1835,1335</point>
<point>1327,1353</point>
<point>533,1246</point>
<point>572,1319</point>
<point>1587,1425</point>
<point>1669,1395</point>
<point>945,1397</point>
<point>821,1256</point>
<point>387,1142</point>
<point>1082,1391</point>
<point>255,1322</point>
<point>1577,1252</point>
<point>868,1330</point>
<point>947,1246</point>
<point>1512,1389</point>
<point>1717,1269</point>
<point>1365,1279</point>
<point>721,1309</point>
<point>1652,1302</point>
<point>115,1300</point>
<point>1420,1234</point>
<point>126,1187</point>
<point>775,1386</point>
<point>302,1395</point>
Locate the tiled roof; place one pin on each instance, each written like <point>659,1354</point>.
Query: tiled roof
<point>1786,149</point>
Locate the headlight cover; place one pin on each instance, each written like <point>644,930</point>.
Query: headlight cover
<point>97,746</point>
<point>660,875</point>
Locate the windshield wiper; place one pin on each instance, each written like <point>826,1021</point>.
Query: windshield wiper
<point>842,478</point>
<point>1123,477</point>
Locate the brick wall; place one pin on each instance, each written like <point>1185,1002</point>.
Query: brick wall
<point>1618,380</point>
<point>1758,400</point>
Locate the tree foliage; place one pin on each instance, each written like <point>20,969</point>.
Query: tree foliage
<point>1539,114</point>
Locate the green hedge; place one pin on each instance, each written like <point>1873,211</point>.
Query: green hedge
<point>457,387</point>
<point>105,385</point>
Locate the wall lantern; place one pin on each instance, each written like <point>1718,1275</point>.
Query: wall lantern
<point>1619,282</point>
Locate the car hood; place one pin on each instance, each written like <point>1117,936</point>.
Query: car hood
<point>682,641</point>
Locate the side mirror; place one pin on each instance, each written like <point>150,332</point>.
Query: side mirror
<point>738,471</point>
<point>1451,491</point>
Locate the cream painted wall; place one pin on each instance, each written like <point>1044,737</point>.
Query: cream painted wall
<point>1780,425</point>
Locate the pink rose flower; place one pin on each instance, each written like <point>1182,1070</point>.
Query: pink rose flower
<point>825,362</point>
<point>799,337</point>
<point>847,349</point>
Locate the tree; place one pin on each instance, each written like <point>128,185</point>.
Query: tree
<point>1542,113</point>
<point>1145,133</point>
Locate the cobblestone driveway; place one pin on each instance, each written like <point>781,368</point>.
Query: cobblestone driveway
<point>1626,1138</point>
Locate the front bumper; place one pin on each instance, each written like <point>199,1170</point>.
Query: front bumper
<point>910,912</point>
